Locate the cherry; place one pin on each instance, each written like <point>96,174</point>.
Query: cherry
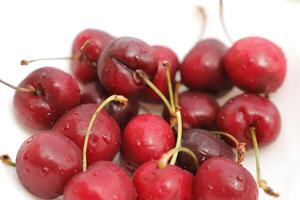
<point>118,63</point>
<point>162,54</point>
<point>103,180</point>
<point>203,67</point>
<point>256,65</point>
<point>205,145</point>
<point>105,138</point>
<point>221,178</point>
<point>45,162</point>
<point>146,137</point>
<point>84,69</point>
<point>92,92</point>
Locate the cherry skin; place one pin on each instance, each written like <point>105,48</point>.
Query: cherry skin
<point>249,110</point>
<point>203,68</point>
<point>105,139</point>
<point>92,92</point>
<point>103,180</point>
<point>118,63</point>
<point>168,183</point>
<point>146,137</point>
<point>161,54</point>
<point>220,178</point>
<point>256,65</point>
<point>55,93</point>
<point>205,145</point>
<point>45,163</point>
<point>83,68</point>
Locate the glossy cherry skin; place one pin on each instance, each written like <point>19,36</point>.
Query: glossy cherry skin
<point>161,54</point>
<point>104,142</point>
<point>146,137</point>
<point>256,65</point>
<point>168,183</point>
<point>56,93</point>
<point>92,92</point>
<point>205,145</point>
<point>45,163</point>
<point>118,63</point>
<point>249,110</point>
<point>203,68</point>
<point>82,68</point>
<point>221,178</point>
<point>102,181</point>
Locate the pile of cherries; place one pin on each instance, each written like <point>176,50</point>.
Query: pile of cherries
<point>192,151</point>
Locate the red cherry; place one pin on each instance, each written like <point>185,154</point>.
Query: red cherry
<point>118,63</point>
<point>221,178</point>
<point>103,180</point>
<point>82,68</point>
<point>248,110</point>
<point>92,92</point>
<point>256,65</point>
<point>167,183</point>
<point>105,139</point>
<point>55,92</point>
<point>146,137</point>
<point>46,162</point>
<point>203,67</point>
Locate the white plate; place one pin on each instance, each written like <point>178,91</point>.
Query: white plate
<point>36,29</point>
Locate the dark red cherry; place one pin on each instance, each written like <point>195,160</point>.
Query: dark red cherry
<point>55,93</point>
<point>84,68</point>
<point>92,92</point>
<point>161,54</point>
<point>167,183</point>
<point>146,137</point>
<point>104,142</point>
<point>205,145</point>
<point>220,178</point>
<point>45,163</point>
<point>256,65</point>
<point>102,181</point>
<point>118,63</point>
<point>248,110</point>
<point>203,67</point>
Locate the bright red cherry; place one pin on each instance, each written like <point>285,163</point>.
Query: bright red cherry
<point>256,65</point>
<point>167,183</point>
<point>102,181</point>
<point>84,68</point>
<point>46,162</point>
<point>54,93</point>
<point>105,139</point>
<point>203,67</point>
<point>221,178</point>
<point>118,63</point>
<point>248,110</point>
<point>146,137</point>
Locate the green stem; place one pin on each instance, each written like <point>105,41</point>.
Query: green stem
<point>7,160</point>
<point>19,89</point>
<point>179,136</point>
<point>221,11</point>
<point>166,64</point>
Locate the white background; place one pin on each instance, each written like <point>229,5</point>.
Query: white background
<point>35,29</point>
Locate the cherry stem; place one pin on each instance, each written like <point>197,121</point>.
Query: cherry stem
<point>144,108</point>
<point>240,147</point>
<point>83,49</point>
<point>261,182</point>
<point>7,160</point>
<point>166,64</point>
<point>176,93</point>
<point>19,89</point>
<point>163,161</point>
<point>179,135</point>
<point>27,62</point>
<point>221,11</point>
<point>202,14</point>
<point>118,98</point>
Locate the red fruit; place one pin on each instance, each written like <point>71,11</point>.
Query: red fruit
<point>256,65</point>
<point>168,183</point>
<point>104,142</point>
<point>92,92</point>
<point>118,63</point>
<point>221,178</point>
<point>248,110</point>
<point>55,93</point>
<point>203,67</point>
<point>46,162</point>
<point>83,68</point>
<point>146,137</point>
<point>102,181</point>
